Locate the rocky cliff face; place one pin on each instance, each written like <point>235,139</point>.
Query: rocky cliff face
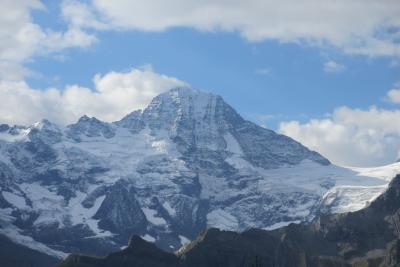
<point>369,237</point>
<point>186,163</point>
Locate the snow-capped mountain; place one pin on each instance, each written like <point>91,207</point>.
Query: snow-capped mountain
<point>185,163</point>
<point>368,237</point>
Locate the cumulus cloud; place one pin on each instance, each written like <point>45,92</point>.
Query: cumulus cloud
<point>114,95</point>
<point>394,94</point>
<point>366,27</point>
<point>21,38</point>
<point>351,136</point>
<point>333,67</point>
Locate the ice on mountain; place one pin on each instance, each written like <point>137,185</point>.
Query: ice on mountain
<point>280,224</point>
<point>184,240</point>
<point>15,200</point>
<point>148,238</point>
<point>153,217</point>
<point>222,220</point>
<point>171,211</point>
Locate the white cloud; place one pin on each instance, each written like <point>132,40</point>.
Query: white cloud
<point>365,27</point>
<point>115,94</point>
<point>394,96</point>
<point>333,67</point>
<point>81,15</point>
<point>351,136</point>
<point>21,38</point>
<point>13,71</point>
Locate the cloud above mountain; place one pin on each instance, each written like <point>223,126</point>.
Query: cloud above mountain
<point>365,27</point>
<point>21,38</point>
<point>355,137</point>
<point>394,94</point>
<point>333,67</point>
<point>113,96</point>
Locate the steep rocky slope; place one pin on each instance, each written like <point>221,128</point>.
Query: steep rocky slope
<point>366,238</point>
<point>186,163</point>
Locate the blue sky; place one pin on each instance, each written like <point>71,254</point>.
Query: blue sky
<point>291,75</point>
<point>266,81</point>
<point>267,78</point>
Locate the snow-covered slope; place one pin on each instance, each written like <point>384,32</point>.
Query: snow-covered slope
<point>185,163</point>
<point>345,197</point>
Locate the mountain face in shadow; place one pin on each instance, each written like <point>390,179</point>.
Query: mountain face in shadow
<point>366,238</point>
<point>15,255</point>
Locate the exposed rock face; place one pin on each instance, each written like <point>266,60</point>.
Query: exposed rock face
<point>186,163</point>
<point>369,237</point>
<point>120,207</point>
<point>138,253</point>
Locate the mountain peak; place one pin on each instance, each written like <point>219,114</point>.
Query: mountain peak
<point>186,90</point>
<point>136,240</point>
<point>183,100</point>
<point>167,109</point>
<point>198,120</point>
<point>87,119</point>
<point>90,127</point>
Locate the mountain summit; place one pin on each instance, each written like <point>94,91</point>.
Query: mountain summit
<point>185,163</point>
<point>197,120</point>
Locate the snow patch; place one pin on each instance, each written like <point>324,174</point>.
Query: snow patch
<point>351,198</point>
<point>232,144</point>
<point>161,146</point>
<point>280,225</point>
<point>383,172</point>
<point>222,220</point>
<point>14,234</point>
<point>48,204</point>
<point>184,240</point>
<point>15,200</point>
<point>149,238</point>
<point>171,211</point>
<point>22,135</point>
<point>82,215</point>
<point>151,216</point>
